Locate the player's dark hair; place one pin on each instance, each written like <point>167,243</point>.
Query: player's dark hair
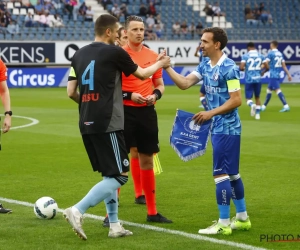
<point>251,45</point>
<point>120,31</point>
<point>219,35</point>
<point>133,18</point>
<point>104,22</point>
<point>275,43</point>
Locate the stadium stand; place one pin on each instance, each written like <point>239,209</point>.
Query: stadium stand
<point>277,20</point>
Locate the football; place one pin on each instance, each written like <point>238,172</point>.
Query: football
<point>45,208</point>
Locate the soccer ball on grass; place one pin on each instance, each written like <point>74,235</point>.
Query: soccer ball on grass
<point>45,208</point>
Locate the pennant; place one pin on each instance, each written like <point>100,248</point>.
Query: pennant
<point>188,139</point>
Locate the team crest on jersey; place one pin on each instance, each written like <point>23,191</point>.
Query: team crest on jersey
<point>191,127</point>
<point>216,76</point>
<point>126,163</point>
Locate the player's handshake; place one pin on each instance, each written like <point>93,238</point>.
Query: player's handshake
<point>166,60</point>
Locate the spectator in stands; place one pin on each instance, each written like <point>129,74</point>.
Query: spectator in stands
<point>76,7</point>
<point>247,9</point>
<point>199,28</point>
<point>48,5</point>
<point>105,3</point>
<point>261,7</point>
<point>250,18</point>
<point>157,2</point>
<point>143,10</point>
<point>124,10</point>
<point>82,9</point>
<point>176,28</point>
<point>208,9</point>
<point>6,18</point>
<point>192,29</point>
<point>264,16</point>
<point>217,10</point>
<point>256,12</point>
<point>39,7</point>
<point>2,24</point>
<point>158,31</point>
<point>161,25</point>
<point>184,28</point>
<point>151,9</point>
<point>57,21</point>
<point>3,6</point>
<point>12,27</point>
<point>28,20</point>
<point>270,18</point>
<point>57,4</point>
<point>116,11</point>
<point>150,21</point>
<point>43,20</point>
<point>158,21</point>
<point>150,34</point>
<point>89,14</point>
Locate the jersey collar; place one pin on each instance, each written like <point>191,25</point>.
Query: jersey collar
<point>221,60</point>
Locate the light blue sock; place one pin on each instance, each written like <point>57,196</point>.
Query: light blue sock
<point>240,205</point>
<point>223,194</point>
<point>250,103</point>
<point>268,98</point>
<point>98,193</point>
<point>258,108</point>
<point>111,203</point>
<point>282,98</point>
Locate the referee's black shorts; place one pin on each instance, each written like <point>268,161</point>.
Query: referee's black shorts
<point>107,152</point>
<point>141,129</point>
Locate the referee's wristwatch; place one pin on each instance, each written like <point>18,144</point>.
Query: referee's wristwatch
<point>8,113</point>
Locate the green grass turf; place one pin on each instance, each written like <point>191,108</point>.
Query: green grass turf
<point>49,159</point>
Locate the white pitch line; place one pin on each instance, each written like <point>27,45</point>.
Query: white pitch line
<point>33,121</point>
<point>156,229</point>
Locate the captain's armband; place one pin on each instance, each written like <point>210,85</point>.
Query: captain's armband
<point>233,85</point>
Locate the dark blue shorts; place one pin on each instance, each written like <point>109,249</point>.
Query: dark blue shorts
<point>226,154</point>
<point>202,89</point>
<point>274,84</point>
<point>251,88</point>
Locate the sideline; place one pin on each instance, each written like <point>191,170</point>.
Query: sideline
<point>153,228</point>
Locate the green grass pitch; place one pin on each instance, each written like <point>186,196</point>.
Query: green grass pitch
<point>48,159</point>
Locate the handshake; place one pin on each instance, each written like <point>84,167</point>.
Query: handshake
<point>165,60</point>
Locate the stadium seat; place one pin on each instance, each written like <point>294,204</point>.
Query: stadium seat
<point>47,36</point>
<point>10,5</point>
<point>39,36</point>
<point>16,11</point>
<point>31,36</point>
<point>180,10</point>
<point>17,5</point>
<point>54,37</point>
<point>36,18</point>
<point>228,25</point>
<point>40,29</point>
<point>23,11</point>
<point>209,19</point>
